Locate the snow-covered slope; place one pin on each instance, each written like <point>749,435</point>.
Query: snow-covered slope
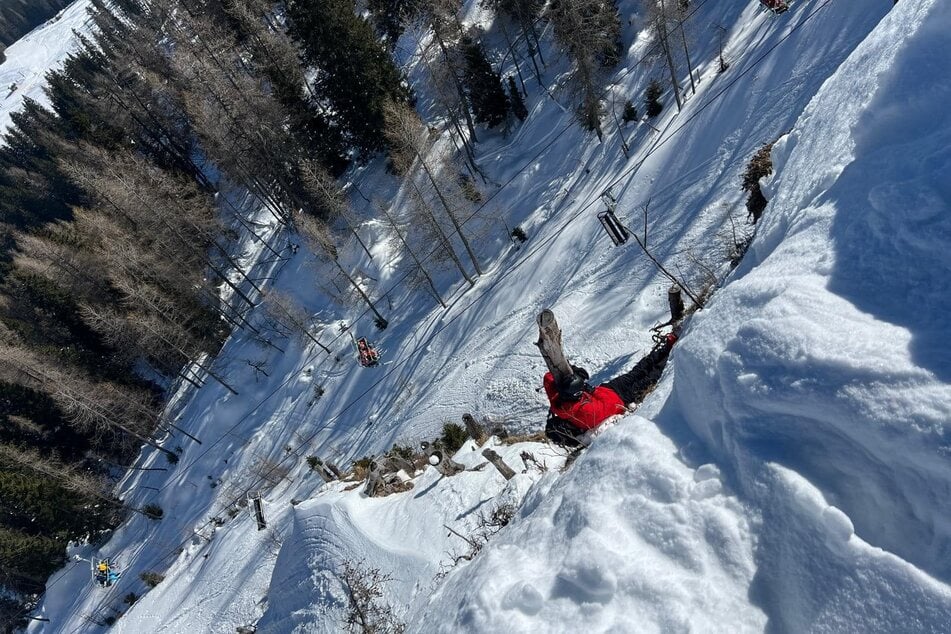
<point>819,376</point>
<point>812,379</point>
<point>22,74</point>
<point>810,397</point>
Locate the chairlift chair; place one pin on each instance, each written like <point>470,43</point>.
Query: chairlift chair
<point>256,508</point>
<point>615,230</point>
<point>776,6</point>
<point>103,572</point>
<point>367,354</point>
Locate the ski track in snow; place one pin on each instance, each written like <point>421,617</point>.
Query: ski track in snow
<point>30,57</point>
<point>789,474</point>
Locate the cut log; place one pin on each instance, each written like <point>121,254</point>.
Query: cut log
<point>496,460</point>
<point>549,343</point>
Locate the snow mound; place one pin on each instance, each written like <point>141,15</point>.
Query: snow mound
<point>819,375</point>
<point>404,536</point>
<point>622,542</point>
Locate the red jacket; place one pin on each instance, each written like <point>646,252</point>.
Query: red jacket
<point>587,412</point>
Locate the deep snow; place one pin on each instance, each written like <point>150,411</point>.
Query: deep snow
<point>789,474</point>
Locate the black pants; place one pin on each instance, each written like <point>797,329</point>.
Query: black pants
<point>633,385</point>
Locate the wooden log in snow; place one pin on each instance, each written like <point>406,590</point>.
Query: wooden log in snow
<point>334,470</point>
<point>443,462</point>
<point>474,429</point>
<point>496,460</point>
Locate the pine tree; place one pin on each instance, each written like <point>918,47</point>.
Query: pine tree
<point>652,98</point>
<point>524,13</point>
<point>515,98</point>
<point>390,17</point>
<point>483,85</point>
<point>28,559</point>
<point>630,111</point>
<point>589,30</point>
<point>354,72</point>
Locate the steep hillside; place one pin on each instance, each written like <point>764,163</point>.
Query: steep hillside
<point>789,472</point>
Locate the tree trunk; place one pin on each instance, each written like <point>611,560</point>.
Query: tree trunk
<point>665,45</point>
<point>458,84</point>
<point>452,216</point>
<point>683,38</point>
<point>366,298</point>
<point>412,254</point>
<point>518,69</point>
<point>442,236</point>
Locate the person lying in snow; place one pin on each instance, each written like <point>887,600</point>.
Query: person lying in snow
<point>577,408</point>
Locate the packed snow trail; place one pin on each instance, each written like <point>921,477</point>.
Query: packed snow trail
<point>23,74</point>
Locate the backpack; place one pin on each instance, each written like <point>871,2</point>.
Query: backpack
<point>562,432</point>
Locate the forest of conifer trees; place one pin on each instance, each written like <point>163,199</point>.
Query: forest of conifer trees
<point>117,220</point>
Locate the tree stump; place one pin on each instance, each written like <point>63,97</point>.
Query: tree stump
<point>676,303</point>
<point>323,472</point>
<point>374,479</point>
<point>474,429</point>
<point>549,343</point>
<point>444,464</point>
<point>334,470</point>
<point>496,460</point>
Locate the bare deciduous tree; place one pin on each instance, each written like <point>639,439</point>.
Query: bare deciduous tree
<point>589,31</point>
<point>319,236</point>
<point>401,236</point>
<point>283,309</point>
<point>368,612</point>
<point>96,408</point>
<point>409,140</point>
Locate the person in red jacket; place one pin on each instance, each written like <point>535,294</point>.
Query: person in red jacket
<point>576,407</point>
